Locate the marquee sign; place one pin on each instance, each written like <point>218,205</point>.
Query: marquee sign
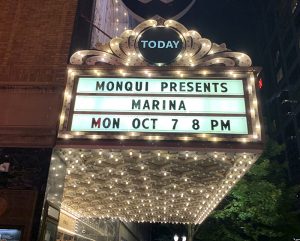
<point>140,104</point>
<point>149,98</point>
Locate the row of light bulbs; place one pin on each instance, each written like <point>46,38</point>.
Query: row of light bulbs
<point>121,16</point>
<point>117,157</point>
<point>138,154</point>
<point>148,73</point>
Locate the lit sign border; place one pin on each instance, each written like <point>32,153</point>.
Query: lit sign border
<point>252,114</point>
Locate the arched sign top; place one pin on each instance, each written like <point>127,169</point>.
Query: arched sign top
<point>160,45</point>
<point>161,42</point>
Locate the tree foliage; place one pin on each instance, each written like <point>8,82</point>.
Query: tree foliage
<point>259,207</point>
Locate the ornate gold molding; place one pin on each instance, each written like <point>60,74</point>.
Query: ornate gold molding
<point>197,51</point>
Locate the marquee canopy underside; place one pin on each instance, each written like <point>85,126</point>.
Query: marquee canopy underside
<point>149,185</point>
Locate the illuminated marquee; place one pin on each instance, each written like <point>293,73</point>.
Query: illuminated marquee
<point>171,84</point>
<point>157,105</point>
<point>157,128</point>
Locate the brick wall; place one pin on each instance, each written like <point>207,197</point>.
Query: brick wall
<point>35,38</point>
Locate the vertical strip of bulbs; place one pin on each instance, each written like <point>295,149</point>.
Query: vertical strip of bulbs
<point>121,18</point>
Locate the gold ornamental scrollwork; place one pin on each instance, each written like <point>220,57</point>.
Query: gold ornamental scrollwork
<point>197,51</point>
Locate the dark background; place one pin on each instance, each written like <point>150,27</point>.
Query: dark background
<point>233,22</point>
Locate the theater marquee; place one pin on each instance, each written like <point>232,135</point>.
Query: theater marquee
<point>159,116</point>
<point>165,83</point>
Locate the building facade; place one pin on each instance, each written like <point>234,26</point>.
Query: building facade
<point>34,48</point>
<point>279,41</point>
<point>132,174</point>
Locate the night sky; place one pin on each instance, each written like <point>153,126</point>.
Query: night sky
<point>233,22</point>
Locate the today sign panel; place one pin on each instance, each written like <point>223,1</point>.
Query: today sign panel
<point>214,106</point>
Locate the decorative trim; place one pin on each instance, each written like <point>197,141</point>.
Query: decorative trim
<point>198,51</point>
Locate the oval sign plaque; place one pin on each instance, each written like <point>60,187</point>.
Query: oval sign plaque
<point>160,45</point>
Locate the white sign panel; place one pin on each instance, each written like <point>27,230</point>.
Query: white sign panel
<point>161,86</point>
<point>160,104</point>
<point>213,106</point>
<point>158,123</point>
